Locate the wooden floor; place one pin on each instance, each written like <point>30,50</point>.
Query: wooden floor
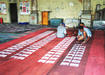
<point>42,53</point>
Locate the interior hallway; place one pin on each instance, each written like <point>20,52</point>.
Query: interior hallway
<point>28,42</point>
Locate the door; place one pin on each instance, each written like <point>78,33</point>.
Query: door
<point>45,17</point>
<point>13,12</point>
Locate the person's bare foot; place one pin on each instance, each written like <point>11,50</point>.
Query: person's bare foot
<point>84,42</point>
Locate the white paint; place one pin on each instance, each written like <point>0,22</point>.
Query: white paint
<point>74,56</point>
<point>45,57</point>
<point>23,55</point>
<point>2,52</point>
<point>77,58</point>
<point>26,52</point>
<point>75,61</point>
<point>70,57</point>
<point>51,52</point>
<point>58,50</point>
<point>74,65</point>
<point>31,49</point>
<point>2,55</point>
<point>69,60</point>
<point>43,61</point>
<point>78,55</point>
<point>48,55</point>
<point>65,63</point>
<point>50,61</point>
<point>20,45</point>
<point>8,50</point>
<point>17,57</point>
<point>53,58</point>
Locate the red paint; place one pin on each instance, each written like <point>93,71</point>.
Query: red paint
<point>30,66</point>
<point>96,59</point>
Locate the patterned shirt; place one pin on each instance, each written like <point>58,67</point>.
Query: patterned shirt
<point>87,30</point>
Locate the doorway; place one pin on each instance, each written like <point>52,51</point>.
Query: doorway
<point>13,12</point>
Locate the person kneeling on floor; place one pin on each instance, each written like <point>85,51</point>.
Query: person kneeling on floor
<point>84,35</point>
<point>61,31</point>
